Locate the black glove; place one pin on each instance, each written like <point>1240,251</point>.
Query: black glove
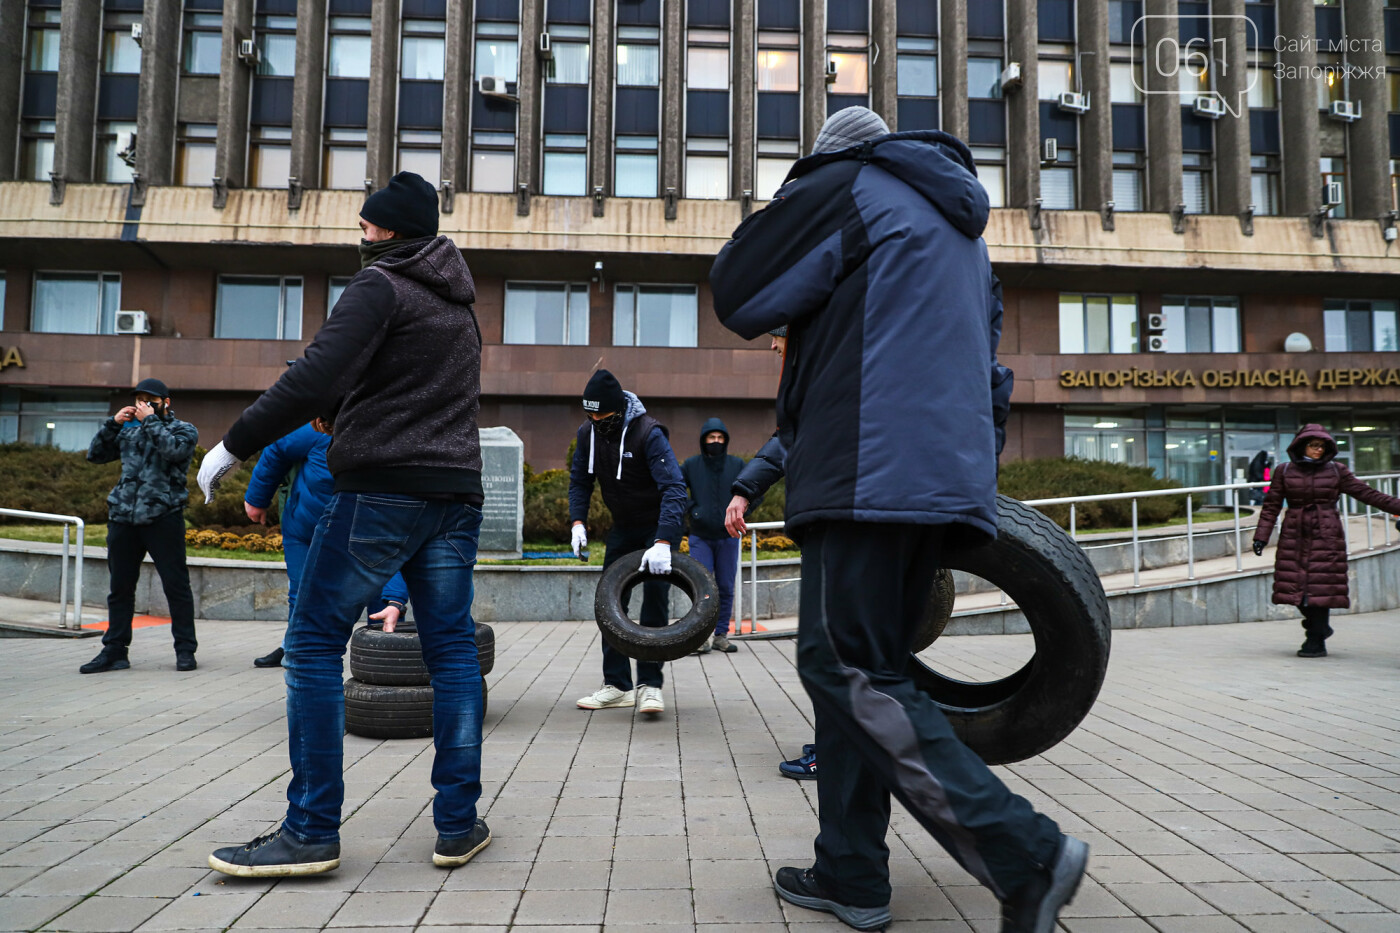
<point>1259,547</point>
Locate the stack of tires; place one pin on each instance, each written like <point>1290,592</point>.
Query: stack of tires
<point>388,695</point>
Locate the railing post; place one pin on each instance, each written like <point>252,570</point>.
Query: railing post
<point>1385,526</point>
<point>1190,543</point>
<point>1072,535</point>
<point>753,570</point>
<point>63,582</point>
<point>78,579</point>
<point>1369,545</point>
<point>1346,526</point>
<point>1137,550</point>
<point>739,589</point>
<point>1239,555</point>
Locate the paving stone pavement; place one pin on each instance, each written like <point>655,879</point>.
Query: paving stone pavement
<point>1224,785</point>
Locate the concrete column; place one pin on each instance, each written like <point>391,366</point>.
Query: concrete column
<point>600,144</point>
<point>1163,113</point>
<point>527,141</point>
<point>12,18</point>
<point>1302,178</point>
<point>1232,129</point>
<point>235,85</point>
<point>383,91</point>
<point>308,92</point>
<point>813,72</point>
<point>161,42</point>
<point>1023,106</point>
<point>1096,126</point>
<point>672,140</point>
<point>952,65</point>
<point>1368,139</point>
<point>883,88</point>
<point>78,50</point>
<point>457,98</point>
<point>743,86</point>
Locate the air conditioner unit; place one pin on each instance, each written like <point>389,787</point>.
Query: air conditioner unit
<point>1157,343</point>
<point>493,86</point>
<point>133,322</point>
<point>248,52</point>
<point>830,72</point>
<point>1208,106</point>
<point>1347,111</point>
<point>1049,150</point>
<point>1332,194</point>
<point>546,52</point>
<point>1011,76</point>
<point>1074,102</point>
<point>136,34</point>
<point>1157,322</point>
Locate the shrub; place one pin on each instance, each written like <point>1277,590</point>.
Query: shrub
<point>777,543</point>
<point>1071,476</point>
<point>46,479</point>
<point>547,509</point>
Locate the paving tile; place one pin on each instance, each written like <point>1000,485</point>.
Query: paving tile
<point>1160,900</point>
<point>666,906</point>
<point>461,908</point>
<point>1244,897</point>
<point>1320,897</point>
<point>292,910</point>
<point>382,909</point>
<point>29,913</point>
<point>561,907</point>
<point>211,912</point>
<point>108,914</point>
<point>757,905</point>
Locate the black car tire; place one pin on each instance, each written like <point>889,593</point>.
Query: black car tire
<point>485,647</point>
<point>670,642</point>
<point>1055,586</point>
<point>395,659</point>
<point>374,711</point>
<point>939,609</point>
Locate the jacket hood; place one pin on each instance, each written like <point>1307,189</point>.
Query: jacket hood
<point>1307,433</point>
<point>438,265</point>
<point>714,424</point>
<point>937,165</point>
<point>635,408</point>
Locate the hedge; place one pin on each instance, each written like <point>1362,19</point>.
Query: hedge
<point>1070,476</point>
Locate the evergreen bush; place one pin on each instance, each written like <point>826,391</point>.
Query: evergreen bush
<point>1070,476</point>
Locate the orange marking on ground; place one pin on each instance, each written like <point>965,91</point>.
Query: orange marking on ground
<point>136,622</point>
<point>748,627</point>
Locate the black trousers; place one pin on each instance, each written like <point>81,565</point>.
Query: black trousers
<point>1316,622</point>
<point>864,586</point>
<point>617,667</point>
<point>127,546</point>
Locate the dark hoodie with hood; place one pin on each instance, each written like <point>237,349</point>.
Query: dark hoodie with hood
<point>397,367</point>
<point>1310,565</point>
<point>710,477</point>
<point>892,403</point>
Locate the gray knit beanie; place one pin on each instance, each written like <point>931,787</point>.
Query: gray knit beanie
<point>849,127</point>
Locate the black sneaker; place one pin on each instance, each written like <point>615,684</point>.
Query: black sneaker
<point>276,855</point>
<point>801,769</point>
<point>450,853</point>
<point>1036,909</point>
<point>274,659</point>
<point>106,660</point>
<point>184,661</point>
<point>1313,648</point>
<point>798,886</point>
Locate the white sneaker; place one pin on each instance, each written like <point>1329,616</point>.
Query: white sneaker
<point>651,701</point>
<point>608,697</point>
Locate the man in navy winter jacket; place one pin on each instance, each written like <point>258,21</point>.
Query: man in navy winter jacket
<point>708,476</point>
<point>626,451</point>
<point>889,409</point>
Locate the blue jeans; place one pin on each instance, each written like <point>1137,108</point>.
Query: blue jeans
<point>720,558</point>
<point>360,542</point>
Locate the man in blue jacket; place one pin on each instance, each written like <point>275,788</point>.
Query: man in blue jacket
<point>303,453</point>
<point>889,409</point>
<point>627,452</point>
<point>708,476</point>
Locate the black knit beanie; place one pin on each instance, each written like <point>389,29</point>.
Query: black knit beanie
<point>409,206</point>
<point>603,394</point>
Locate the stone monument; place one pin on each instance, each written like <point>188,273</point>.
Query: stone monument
<point>503,480</point>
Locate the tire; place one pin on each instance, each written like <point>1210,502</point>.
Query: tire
<point>485,647</point>
<point>1054,585</point>
<point>939,610</point>
<point>380,712</point>
<point>656,644</point>
<point>395,659</point>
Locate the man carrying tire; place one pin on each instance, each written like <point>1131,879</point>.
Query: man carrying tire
<point>889,408</point>
<point>397,369</point>
<point>629,455</point>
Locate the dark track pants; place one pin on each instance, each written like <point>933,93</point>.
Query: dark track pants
<point>863,589</point>
<point>617,667</point>
<point>1317,622</point>
<point>127,545</point>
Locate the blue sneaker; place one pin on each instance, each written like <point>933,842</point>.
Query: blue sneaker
<point>801,769</point>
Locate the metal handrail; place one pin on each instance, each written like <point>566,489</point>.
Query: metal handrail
<point>63,564</point>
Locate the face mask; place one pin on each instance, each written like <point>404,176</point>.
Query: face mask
<point>609,427</point>
<point>715,448</point>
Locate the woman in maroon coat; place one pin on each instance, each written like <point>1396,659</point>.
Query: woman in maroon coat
<point>1310,567</point>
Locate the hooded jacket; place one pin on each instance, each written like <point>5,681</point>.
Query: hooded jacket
<point>710,480</point>
<point>637,472</point>
<point>155,456</point>
<point>760,473</point>
<point>892,401</point>
<point>398,368</point>
<point>1310,564</point>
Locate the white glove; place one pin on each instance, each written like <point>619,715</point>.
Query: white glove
<point>578,538</point>
<point>657,559</point>
<point>215,467</point>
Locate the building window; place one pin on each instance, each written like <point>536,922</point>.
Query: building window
<point>348,50</point>
<point>1262,88</point>
<point>1122,14</point>
<point>1331,87</point>
<point>76,302</point>
<point>345,158</point>
<point>120,53</point>
<point>258,307</point>
<point>422,49</point>
<point>553,313</point>
<point>1125,83</point>
<point>276,38</point>
<point>983,78</point>
<point>1054,77</point>
<point>1358,326</point>
<point>335,287</point>
<point>635,167</point>
<point>852,64</point>
<point>707,169</point>
<point>1334,171</point>
<point>493,162</point>
<point>775,159</point>
<point>204,43</point>
<point>707,114</point>
<point>1057,187</point>
<point>36,150</point>
<point>654,315</point>
<point>1264,184</point>
<point>777,67</point>
<point>1127,181</point>
<point>638,66</point>
<point>493,145</point>
<point>1116,436</point>
<point>116,151</point>
<point>1395,184</point>
<point>707,67</point>
<point>565,164</point>
<point>639,57</point>
<point>43,39</point>
<point>62,418</point>
<point>916,82</point>
<point>1201,324</point>
<point>991,172</point>
<point>194,154</point>
<point>270,164</point>
<point>420,152</point>
<point>570,62</point>
<point>1098,323</point>
<point>1195,182</point>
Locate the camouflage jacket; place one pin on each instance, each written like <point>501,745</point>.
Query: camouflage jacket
<point>155,458</point>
